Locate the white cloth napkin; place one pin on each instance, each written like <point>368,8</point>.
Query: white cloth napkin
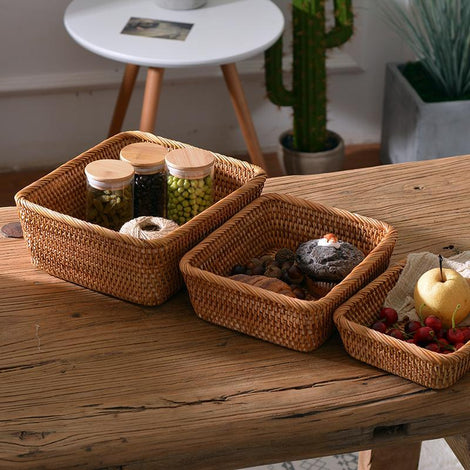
<point>401,296</point>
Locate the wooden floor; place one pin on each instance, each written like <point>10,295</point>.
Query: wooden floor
<point>357,156</point>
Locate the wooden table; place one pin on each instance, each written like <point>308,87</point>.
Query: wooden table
<point>88,381</point>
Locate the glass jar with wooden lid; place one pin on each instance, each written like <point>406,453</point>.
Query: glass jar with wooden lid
<point>109,201</point>
<point>148,160</point>
<point>189,183</point>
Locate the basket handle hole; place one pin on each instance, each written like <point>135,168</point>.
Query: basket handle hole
<point>383,432</point>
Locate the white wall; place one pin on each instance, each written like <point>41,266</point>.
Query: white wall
<point>56,98</point>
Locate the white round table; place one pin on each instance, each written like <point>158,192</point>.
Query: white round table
<point>139,33</point>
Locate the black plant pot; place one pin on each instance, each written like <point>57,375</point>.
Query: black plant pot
<point>306,163</point>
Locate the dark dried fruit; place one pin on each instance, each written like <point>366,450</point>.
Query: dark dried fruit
<point>295,274</point>
<point>252,263</point>
<point>266,260</point>
<point>257,269</point>
<point>273,271</point>
<point>239,269</point>
<point>299,292</point>
<point>283,255</point>
<point>287,265</point>
<point>285,277</point>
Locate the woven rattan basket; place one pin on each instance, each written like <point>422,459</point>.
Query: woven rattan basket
<point>52,212</point>
<point>271,222</point>
<point>427,368</point>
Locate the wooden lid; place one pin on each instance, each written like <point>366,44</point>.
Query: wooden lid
<point>144,154</point>
<point>189,159</point>
<point>109,171</point>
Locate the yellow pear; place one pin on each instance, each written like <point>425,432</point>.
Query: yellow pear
<point>441,291</point>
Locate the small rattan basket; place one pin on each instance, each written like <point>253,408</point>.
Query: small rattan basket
<point>62,243</point>
<point>427,368</point>
<point>271,222</point>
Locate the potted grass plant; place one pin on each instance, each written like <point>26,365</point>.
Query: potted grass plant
<point>426,111</point>
<point>309,147</point>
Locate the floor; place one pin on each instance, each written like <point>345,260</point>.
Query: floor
<point>435,455</point>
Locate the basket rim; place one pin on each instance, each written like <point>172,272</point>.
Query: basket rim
<point>21,197</point>
<point>344,324</point>
<point>187,268</point>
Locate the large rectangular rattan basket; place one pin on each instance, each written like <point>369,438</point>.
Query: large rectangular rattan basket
<point>267,224</point>
<point>62,243</point>
<point>427,368</point>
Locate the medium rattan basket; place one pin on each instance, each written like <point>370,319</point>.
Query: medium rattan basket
<point>427,368</point>
<point>271,222</point>
<point>62,243</point>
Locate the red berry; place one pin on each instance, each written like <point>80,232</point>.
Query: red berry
<point>442,342</point>
<point>459,345</point>
<point>441,333</point>
<point>379,326</point>
<point>412,326</point>
<point>455,335</point>
<point>432,347</point>
<point>425,334</point>
<point>396,333</point>
<point>466,333</point>
<point>411,340</point>
<point>388,315</point>
<point>434,322</point>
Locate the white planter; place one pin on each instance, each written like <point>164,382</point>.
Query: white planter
<point>180,4</point>
<point>414,130</point>
<point>306,163</point>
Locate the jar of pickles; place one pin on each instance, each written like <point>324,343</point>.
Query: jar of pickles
<point>109,201</point>
<point>189,183</point>
<point>148,160</point>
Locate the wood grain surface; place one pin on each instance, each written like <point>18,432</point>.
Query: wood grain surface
<point>428,201</point>
<point>91,382</point>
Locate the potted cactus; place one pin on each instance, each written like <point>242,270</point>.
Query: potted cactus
<point>309,147</point>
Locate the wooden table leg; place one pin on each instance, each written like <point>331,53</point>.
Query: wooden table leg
<point>460,446</point>
<point>153,86</point>
<point>242,111</point>
<point>125,92</point>
<point>404,457</point>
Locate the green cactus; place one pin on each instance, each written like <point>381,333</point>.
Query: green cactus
<point>308,94</point>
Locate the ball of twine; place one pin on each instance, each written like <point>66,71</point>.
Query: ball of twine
<point>148,228</point>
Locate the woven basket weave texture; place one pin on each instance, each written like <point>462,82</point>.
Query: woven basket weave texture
<point>62,243</point>
<point>427,368</point>
<point>267,224</point>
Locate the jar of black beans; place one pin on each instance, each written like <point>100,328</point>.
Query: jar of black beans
<point>109,199</point>
<point>190,183</point>
<point>148,160</point>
